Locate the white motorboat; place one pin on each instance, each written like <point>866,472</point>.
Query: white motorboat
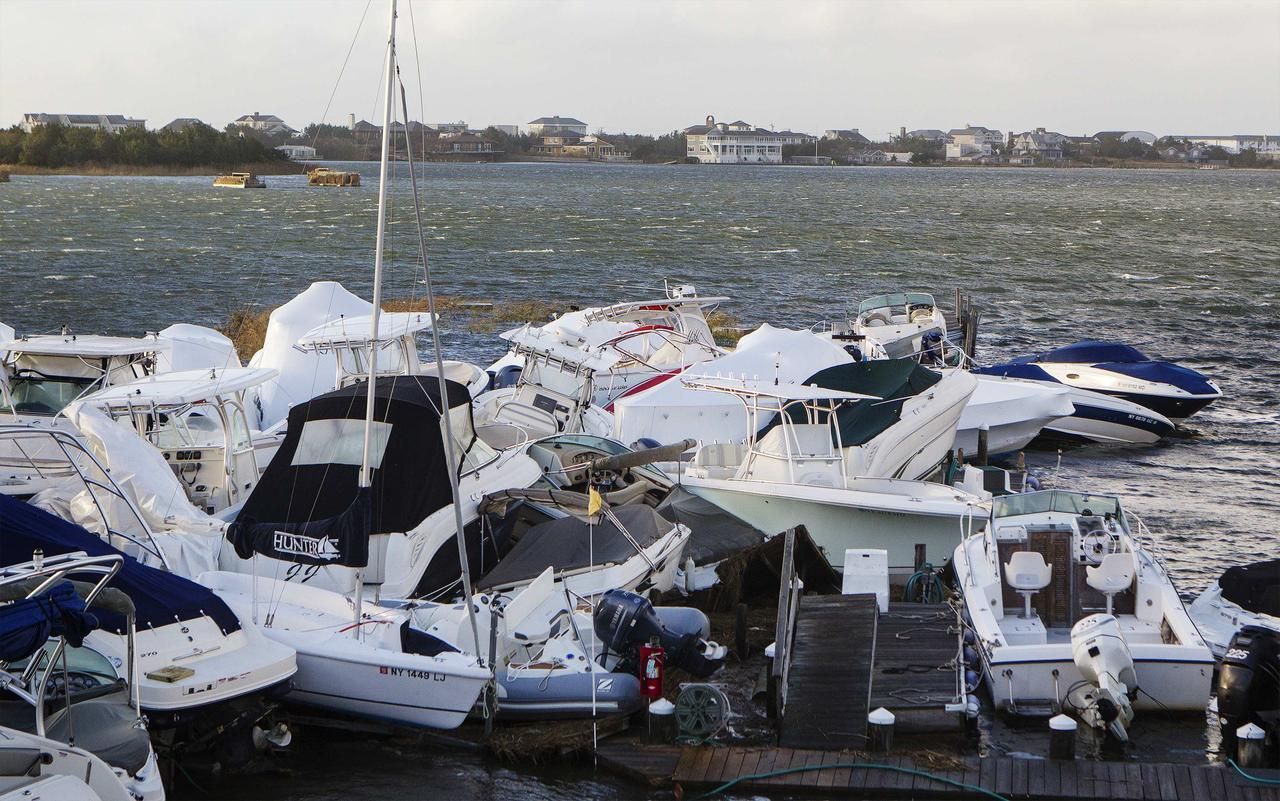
<point>1244,595</point>
<point>1012,413</point>
<point>649,340</point>
<point>41,375</point>
<point>810,467</point>
<point>1082,574</point>
<point>1107,418</point>
<point>197,421</point>
<point>73,720</point>
<point>899,323</point>
<point>553,392</point>
<point>1111,368</point>
<point>193,652</point>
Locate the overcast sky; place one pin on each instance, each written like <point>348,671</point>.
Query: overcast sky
<point>1209,67</point>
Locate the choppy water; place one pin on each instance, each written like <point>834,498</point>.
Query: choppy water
<point>1183,264</point>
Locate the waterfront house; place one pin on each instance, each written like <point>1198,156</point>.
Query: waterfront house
<point>975,136</point>
<point>969,152</point>
<point>897,157</point>
<point>737,142</point>
<point>268,124</point>
<point>181,124</point>
<point>557,125</point>
<point>554,144</point>
<point>796,138</point>
<point>111,123</point>
<point>595,148</point>
<point>299,152</point>
<point>869,157</point>
<point>929,135</point>
<point>846,135</point>
<point>466,143</point>
<point>1265,145</point>
<point>1040,144</point>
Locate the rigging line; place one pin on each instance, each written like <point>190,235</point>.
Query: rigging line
<point>341,70</point>
<point>417,63</point>
<point>450,455</point>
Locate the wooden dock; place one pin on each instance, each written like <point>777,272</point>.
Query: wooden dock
<point>846,660</point>
<point>789,771</point>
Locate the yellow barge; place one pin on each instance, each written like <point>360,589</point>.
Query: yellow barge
<point>323,176</point>
<point>240,180</point>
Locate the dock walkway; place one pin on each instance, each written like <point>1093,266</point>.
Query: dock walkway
<point>788,771</point>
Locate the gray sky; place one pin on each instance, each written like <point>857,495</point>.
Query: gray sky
<point>1208,67</point>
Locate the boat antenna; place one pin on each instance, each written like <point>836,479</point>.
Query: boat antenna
<point>365,479</point>
<point>451,455</point>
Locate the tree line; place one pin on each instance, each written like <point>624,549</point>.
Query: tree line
<point>196,145</point>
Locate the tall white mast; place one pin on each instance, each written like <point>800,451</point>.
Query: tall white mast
<point>365,472</point>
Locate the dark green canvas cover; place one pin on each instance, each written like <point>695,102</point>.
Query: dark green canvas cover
<point>893,380</point>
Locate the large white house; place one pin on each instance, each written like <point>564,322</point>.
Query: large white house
<point>547,126</point>
<point>732,143</point>
<point>268,124</point>
<point>1266,145</point>
<point>975,135</point>
<point>112,123</point>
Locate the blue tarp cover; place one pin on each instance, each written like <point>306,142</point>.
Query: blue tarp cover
<point>27,623</point>
<point>1092,351</point>
<point>161,598</point>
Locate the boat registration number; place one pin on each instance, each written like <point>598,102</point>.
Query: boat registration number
<point>410,673</point>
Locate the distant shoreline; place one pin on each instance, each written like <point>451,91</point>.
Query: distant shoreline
<point>156,170</point>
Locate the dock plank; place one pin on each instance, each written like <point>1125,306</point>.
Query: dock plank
<point>828,686</point>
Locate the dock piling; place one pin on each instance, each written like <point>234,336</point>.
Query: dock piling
<point>1062,737</point>
<point>880,730</point>
<point>1251,746</point>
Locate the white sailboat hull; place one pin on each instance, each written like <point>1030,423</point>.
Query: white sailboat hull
<point>369,676</point>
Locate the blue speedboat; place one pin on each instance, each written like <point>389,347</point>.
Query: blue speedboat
<point>1119,370</point>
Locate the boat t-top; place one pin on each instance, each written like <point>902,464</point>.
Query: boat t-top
<point>1069,611</point>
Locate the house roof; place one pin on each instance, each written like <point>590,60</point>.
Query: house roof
<point>181,123</point>
<point>556,121</point>
<point>256,117</point>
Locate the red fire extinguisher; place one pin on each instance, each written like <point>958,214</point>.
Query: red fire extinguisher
<point>651,662</point>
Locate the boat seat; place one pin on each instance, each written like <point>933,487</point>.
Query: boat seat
<point>1027,573</point>
<point>1113,575</point>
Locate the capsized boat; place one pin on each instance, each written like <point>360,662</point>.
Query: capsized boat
<point>806,462</point>
<point>72,720</point>
<point>1112,368</point>
<point>1244,595</point>
<point>1069,610</point>
<point>650,340</point>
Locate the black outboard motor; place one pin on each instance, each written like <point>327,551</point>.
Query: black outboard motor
<point>1249,680</point>
<point>931,349</point>
<point>624,621</point>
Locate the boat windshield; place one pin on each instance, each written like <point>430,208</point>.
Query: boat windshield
<point>1075,503</point>
<point>895,300</point>
<point>33,393</point>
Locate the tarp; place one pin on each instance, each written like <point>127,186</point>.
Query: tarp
<point>714,533</point>
<point>302,375</point>
<point>193,347</point>
<point>670,411</point>
<point>314,476</point>
<point>1093,351</point>
<point>568,543</point>
<point>160,597</point>
<point>1255,587</point>
<point>27,623</point>
<point>894,380</point>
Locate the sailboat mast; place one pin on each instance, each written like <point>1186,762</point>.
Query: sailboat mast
<point>389,80</point>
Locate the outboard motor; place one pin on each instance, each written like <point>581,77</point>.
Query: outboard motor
<point>1249,680</point>
<point>624,621</point>
<point>507,377</point>
<point>1103,659</point>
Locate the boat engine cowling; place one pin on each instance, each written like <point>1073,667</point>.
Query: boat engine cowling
<point>1249,680</point>
<point>624,621</point>
<point>1103,659</point>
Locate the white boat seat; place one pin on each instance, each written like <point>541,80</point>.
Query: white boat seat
<point>1027,573</point>
<point>1113,575</point>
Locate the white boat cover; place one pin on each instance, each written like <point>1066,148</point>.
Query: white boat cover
<point>193,347</point>
<point>670,411</point>
<point>142,472</point>
<point>303,376</point>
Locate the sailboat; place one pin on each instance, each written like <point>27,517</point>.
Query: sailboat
<point>357,656</point>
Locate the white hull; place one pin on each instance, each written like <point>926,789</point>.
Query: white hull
<point>369,676</point>
<point>839,519</point>
<point>1219,620</point>
<point>1105,418</point>
<point>1013,412</point>
<point>1172,678</point>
